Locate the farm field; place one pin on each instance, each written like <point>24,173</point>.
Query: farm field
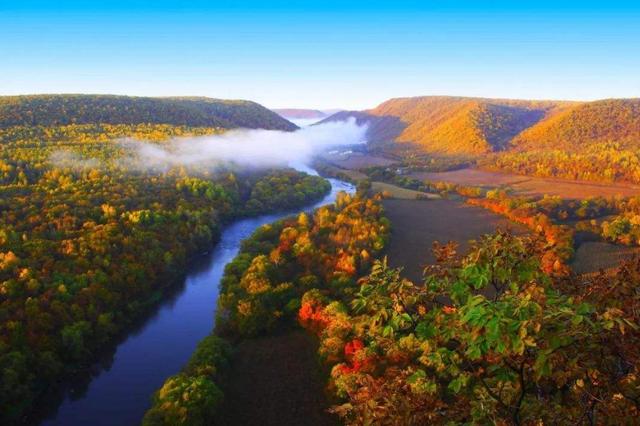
<point>417,224</point>
<point>592,256</point>
<point>527,185</point>
<point>397,192</point>
<point>393,191</point>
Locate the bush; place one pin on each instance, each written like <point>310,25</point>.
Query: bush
<point>192,397</point>
<point>184,400</point>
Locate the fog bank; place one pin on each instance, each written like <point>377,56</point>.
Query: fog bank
<point>256,148</point>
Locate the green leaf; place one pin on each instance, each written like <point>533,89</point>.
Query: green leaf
<point>456,384</point>
<point>387,331</point>
<point>518,345</point>
<point>541,365</point>
<point>493,329</point>
<point>473,352</point>
<point>425,330</point>
<point>419,374</point>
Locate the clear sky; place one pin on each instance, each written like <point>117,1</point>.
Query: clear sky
<point>324,54</point>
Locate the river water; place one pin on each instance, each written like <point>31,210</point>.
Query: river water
<point>119,394</point>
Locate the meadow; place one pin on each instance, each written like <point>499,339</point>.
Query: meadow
<point>417,225</point>
<point>527,185</point>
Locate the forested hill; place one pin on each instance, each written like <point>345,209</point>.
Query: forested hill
<point>300,113</point>
<point>454,125</point>
<point>583,125</point>
<point>594,141</point>
<point>54,110</point>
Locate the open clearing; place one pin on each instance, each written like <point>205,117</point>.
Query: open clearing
<point>527,185</point>
<point>397,192</point>
<point>417,224</point>
<point>592,256</point>
<point>393,190</point>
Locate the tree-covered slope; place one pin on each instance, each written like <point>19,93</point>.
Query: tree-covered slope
<point>583,125</point>
<point>54,110</point>
<point>475,126</point>
<point>453,125</point>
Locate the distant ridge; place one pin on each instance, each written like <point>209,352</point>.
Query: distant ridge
<point>585,124</point>
<point>454,125</point>
<point>64,109</point>
<point>300,113</point>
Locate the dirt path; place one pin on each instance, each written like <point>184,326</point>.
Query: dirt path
<point>275,381</point>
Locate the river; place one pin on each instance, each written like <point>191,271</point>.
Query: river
<point>119,393</point>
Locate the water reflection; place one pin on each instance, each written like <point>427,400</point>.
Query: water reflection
<point>117,389</point>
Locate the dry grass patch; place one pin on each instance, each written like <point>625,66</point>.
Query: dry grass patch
<point>396,192</point>
<point>593,256</point>
<point>416,225</point>
<point>526,185</point>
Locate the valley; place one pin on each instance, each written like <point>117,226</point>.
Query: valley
<point>159,251</point>
<point>336,213</point>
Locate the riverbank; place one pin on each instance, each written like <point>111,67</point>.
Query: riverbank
<point>262,298</point>
<point>164,342</point>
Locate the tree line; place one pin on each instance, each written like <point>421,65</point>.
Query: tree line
<point>261,292</point>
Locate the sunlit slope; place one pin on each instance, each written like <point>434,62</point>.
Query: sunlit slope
<point>475,126</point>
<point>455,125</point>
<point>54,110</point>
<point>380,128</point>
<point>585,125</point>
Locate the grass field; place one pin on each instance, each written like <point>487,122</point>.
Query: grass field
<point>416,225</point>
<point>526,185</point>
<point>592,256</point>
<point>401,193</point>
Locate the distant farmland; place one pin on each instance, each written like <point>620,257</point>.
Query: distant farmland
<point>527,185</point>
<point>592,256</point>
<point>416,225</point>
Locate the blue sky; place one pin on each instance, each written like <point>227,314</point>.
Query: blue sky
<point>322,54</point>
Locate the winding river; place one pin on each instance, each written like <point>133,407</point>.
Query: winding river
<point>119,394</point>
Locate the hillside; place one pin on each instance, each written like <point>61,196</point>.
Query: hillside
<point>381,128</point>
<point>476,126</point>
<point>583,125</point>
<point>53,110</point>
<point>453,125</point>
<point>300,113</point>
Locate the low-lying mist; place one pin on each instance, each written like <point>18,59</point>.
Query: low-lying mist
<point>255,148</point>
